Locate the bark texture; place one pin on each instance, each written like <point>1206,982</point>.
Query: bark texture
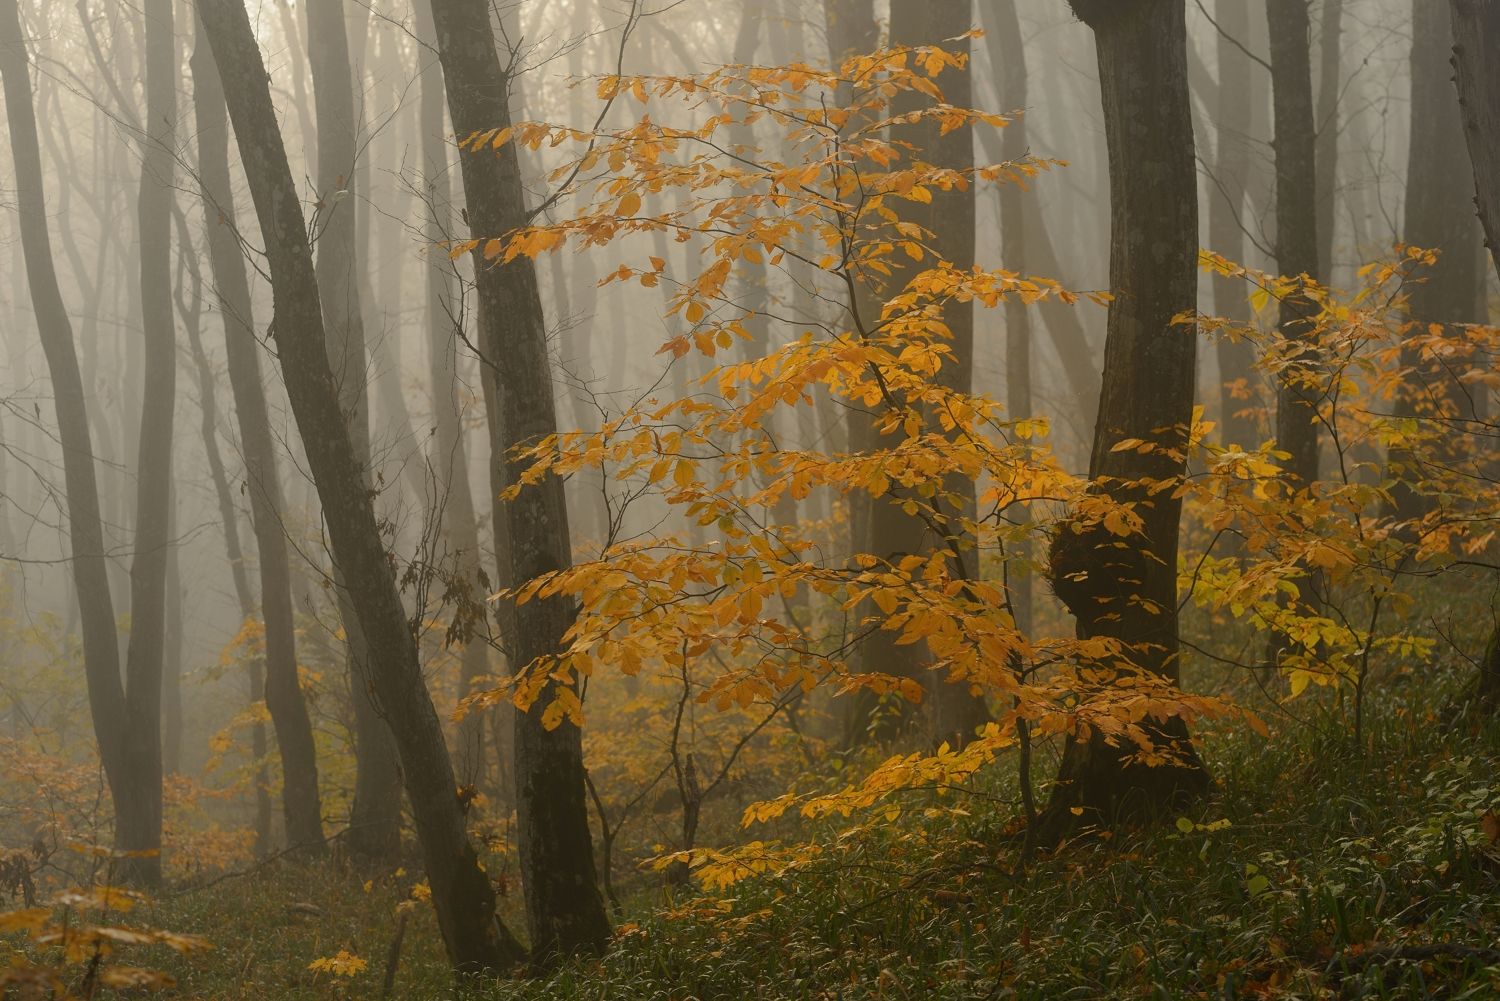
<point>564,908</point>
<point>1147,394</point>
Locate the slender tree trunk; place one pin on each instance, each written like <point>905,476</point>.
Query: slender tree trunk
<point>1330,86</point>
<point>461,892</point>
<point>1147,394</point>
<point>450,459</point>
<point>138,812</point>
<point>564,909</point>
<point>375,822</point>
<point>301,804</point>
<point>1296,227</point>
<point>1227,208</point>
<point>1476,58</point>
<point>1439,216</point>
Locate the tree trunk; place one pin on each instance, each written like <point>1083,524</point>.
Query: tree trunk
<point>564,909</point>
<point>1147,394</point>
<point>450,458</point>
<point>1326,152</point>
<point>1234,114</point>
<point>1439,216</point>
<point>301,804</point>
<point>1296,226</point>
<point>375,822</point>
<point>461,892</point>
<point>1476,58</point>
<point>138,811</point>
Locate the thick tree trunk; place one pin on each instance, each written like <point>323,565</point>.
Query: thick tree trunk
<point>1296,225</point>
<point>450,457</point>
<point>1476,58</point>
<point>564,909</point>
<point>1234,130</point>
<point>375,822</point>
<point>461,892</point>
<point>1147,394</point>
<point>301,804</point>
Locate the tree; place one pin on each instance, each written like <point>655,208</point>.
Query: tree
<point>375,820</point>
<point>564,908</point>
<point>1295,144</point>
<point>1476,58</point>
<point>1131,594</point>
<point>461,892</point>
<point>300,802</point>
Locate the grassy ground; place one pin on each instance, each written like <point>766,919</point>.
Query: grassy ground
<point>1317,870</point>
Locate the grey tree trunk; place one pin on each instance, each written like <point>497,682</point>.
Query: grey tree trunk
<point>301,804</point>
<point>461,892</point>
<point>564,908</point>
<point>1147,394</point>
<point>375,821</point>
<point>1330,87</point>
<point>1296,224</point>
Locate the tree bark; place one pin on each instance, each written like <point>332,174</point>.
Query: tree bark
<point>1295,144</point>
<point>461,892</point>
<point>1147,394</point>
<point>1234,121</point>
<point>1476,59</point>
<point>1326,152</point>
<point>301,804</point>
<point>564,908</point>
<point>375,821</point>
<point>450,458</point>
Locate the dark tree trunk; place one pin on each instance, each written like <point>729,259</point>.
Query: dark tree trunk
<point>138,806</point>
<point>564,909</point>
<point>461,892</point>
<point>1234,128</point>
<point>301,804</point>
<point>1476,58</point>
<point>375,821</point>
<point>1330,87</point>
<point>101,653</point>
<point>1296,226</point>
<point>1439,216</point>
<point>450,457</point>
<point>1147,394</point>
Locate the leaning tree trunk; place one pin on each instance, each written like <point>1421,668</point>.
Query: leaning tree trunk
<point>101,653</point>
<point>461,892</point>
<point>1476,58</point>
<point>1295,144</point>
<point>138,806</point>
<point>375,821</point>
<point>301,805</point>
<point>564,909</point>
<point>450,459</point>
<point>1131,595</point>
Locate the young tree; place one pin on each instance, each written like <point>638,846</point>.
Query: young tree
<point>375,820</point>
<point>1131,594</point>
<point>461,892</point>
<point>300,801</point>
<point>564,908</point>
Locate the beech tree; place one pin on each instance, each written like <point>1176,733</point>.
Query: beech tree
<point>1147,398</point>
<point>461,892</point>
<point>564,908</point>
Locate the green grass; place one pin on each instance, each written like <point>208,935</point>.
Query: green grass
<point>1333,866</point>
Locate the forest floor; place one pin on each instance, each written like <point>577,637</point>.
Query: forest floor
<point>1317,870</point>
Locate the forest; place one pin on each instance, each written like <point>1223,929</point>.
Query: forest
<point>780,499</point>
